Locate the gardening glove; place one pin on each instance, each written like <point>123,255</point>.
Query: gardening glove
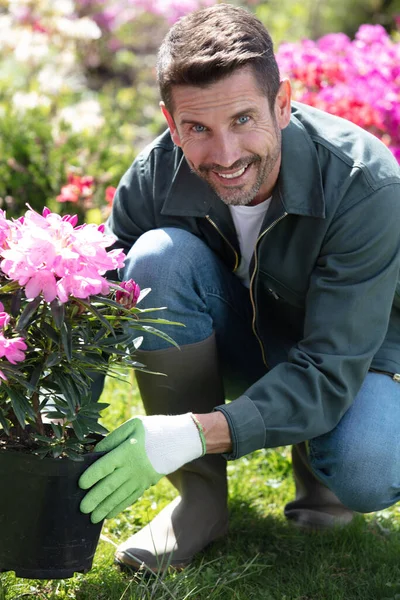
<point>139,453</point>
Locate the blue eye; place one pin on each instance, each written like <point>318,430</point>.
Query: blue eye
<point>199,128</point>
<point>243,119</point>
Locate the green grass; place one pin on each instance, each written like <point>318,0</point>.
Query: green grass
<point>263,558</point>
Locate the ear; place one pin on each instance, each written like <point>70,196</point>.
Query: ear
<point>171,124</point>
<point>282,104</point>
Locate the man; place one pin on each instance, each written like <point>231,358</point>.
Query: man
<point>270,230</point>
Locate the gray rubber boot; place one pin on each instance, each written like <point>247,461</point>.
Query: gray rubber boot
<point>199,515</point>
<point>315,506</point>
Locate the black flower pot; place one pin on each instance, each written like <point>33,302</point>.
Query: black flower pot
<point>43,534</point>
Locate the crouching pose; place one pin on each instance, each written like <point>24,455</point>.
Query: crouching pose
<point>271,230</point>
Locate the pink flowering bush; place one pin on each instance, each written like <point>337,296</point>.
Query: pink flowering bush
<point>61,322</point>
<point>358,79</point>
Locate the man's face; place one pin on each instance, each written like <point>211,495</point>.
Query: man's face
<point>229,136</point>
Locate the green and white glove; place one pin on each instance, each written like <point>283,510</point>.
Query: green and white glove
<point>139,453</point>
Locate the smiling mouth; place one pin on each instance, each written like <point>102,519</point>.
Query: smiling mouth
<point>234,175</point>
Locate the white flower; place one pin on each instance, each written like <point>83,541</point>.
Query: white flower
<point>24,101</point>
<point>31,46</point>
<point>85,115</point>
<point>84,29</point>
<point>64,7</point>
<point>54,78</point>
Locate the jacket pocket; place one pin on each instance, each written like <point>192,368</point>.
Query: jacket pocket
<point>280,292</point>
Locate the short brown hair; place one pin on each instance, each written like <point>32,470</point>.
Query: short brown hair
<point>211,43</point>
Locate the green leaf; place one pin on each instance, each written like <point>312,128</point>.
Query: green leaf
<point>66,338</point>
<point>16,303</point>
<point>36,376</point>
<point>98,315</point>
<point>73,455</point>
<point>80,431</point>
<point>11,287</point>
<point>69,391</point>
<point>94,426</point>
<point>160,334</point>
<point>58,312</point>
<point>55,415</point>
<point>99,335</point>
<point>20,405</point>
<point>53,359</point>
<point>57,429</point>
<point>137,342</point>
<point>28,314</point>
<point>50,332</point>
<point>57,451</point>
<point>4,424</point>
<point>119,339</point>
<point>43,438</point>
<point>95,407</point>
<point>160,322</point>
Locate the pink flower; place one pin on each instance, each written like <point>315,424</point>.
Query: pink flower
<point>48,255</point>
<point>80,286</point>
<point>4,319</point>
<point>131,294</point>
<point>42,281</point>
<point>69,193</point>
<point>358,80</point>
<point>4,228</point>
<point>13,349</point>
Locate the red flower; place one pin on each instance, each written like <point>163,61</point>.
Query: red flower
<point>77,187</point>
<point>110,193</point>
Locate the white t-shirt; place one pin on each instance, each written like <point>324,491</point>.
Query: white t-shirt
<point>248,220</point>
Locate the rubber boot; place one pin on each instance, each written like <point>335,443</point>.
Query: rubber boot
<point>199,515</point>
<point>315,506</point>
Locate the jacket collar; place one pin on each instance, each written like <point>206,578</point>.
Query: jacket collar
<point>299,188</point>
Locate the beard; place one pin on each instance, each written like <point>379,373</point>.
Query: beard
<point>244,193</point>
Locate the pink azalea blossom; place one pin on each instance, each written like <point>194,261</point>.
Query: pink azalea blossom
<point>48,255</point>
<point>13,349</point>
<point>129,298</point>
<point>4,319</point>
<point>358,80</point>
<point>4,228</point>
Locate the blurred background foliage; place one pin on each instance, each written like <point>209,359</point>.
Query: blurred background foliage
<point>78,97</point>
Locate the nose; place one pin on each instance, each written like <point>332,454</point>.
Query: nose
<point>224,150</point>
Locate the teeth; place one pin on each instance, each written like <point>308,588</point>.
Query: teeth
<point>232,175</point>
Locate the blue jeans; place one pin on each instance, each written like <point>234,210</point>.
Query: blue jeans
<point>359,460</point>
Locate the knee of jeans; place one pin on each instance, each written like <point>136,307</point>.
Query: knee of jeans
<point>156,253</point>
<point>363,482</point>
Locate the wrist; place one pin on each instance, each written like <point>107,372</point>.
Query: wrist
<point>216,432</point>
<point>171,441</point>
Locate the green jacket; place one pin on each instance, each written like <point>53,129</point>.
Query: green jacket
<point>324,271</point>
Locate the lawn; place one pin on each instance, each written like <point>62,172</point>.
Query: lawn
<point>263,558</point>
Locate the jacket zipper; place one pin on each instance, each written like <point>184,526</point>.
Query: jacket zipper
<point>227,241</point>
<point>251,285</point>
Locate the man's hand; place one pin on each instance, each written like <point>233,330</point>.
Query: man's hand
<point>139,453</point>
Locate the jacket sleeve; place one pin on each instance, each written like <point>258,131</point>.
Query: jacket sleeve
<point>133,205</point>
<point>348,306</point>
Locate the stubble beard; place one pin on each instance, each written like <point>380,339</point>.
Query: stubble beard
<point>238,196</point>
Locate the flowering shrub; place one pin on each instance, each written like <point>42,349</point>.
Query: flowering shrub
<point>52,123</point>
<point>358,80</point>
<point>110,15</point>
<point>61,322</point>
